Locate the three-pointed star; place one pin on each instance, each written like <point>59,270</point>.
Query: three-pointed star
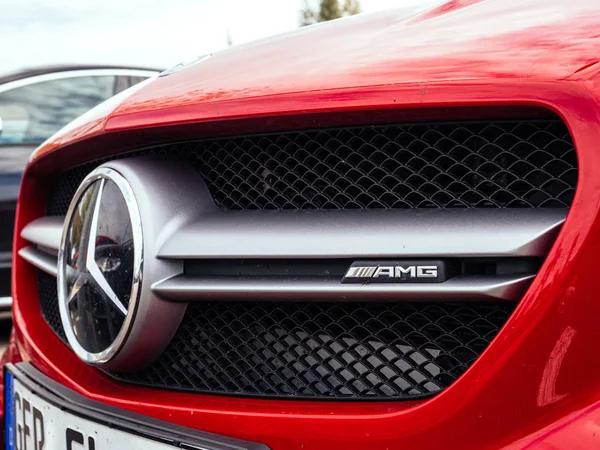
<point>87,269</point>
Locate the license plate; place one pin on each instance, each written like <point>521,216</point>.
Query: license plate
<point>39,418</point>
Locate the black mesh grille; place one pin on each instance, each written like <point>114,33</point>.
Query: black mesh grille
<point>347,350</point>
<point>49,303</point>
<point>324,350</point>
<point>513,164</point>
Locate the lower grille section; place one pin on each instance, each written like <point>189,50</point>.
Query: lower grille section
<point>324,350</point>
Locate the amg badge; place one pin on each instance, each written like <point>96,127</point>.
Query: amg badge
<point>418,271</point>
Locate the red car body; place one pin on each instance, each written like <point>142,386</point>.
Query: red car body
<point>538,384</point>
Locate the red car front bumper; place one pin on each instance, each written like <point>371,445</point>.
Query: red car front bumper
<point>538,382</point>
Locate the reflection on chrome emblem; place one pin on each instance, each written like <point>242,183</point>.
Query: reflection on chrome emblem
<point>99,266</point>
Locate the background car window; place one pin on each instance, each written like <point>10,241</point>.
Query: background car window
<point>125,82</point>
<point>33,113</point>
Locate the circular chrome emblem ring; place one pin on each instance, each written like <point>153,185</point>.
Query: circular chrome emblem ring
<point>100,266</point>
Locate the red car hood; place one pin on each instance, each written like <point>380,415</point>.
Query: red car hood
<point>400,55</point>
<point>458,40</point>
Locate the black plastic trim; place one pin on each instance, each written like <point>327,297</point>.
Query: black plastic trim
<point>129,422</point>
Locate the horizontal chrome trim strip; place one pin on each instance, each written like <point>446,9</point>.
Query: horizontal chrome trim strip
<point>5,304</point>
<point>360,234</point>
<point>190,288</point>
<point>42,260</point>
<point>46,231</point>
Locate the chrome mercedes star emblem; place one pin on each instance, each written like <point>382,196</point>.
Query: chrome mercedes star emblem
<point>99,266</point>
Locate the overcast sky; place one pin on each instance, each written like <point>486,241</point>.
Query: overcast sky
<point>157,33</point>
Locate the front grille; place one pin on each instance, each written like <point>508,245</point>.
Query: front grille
<point>499,164</point>
<point>324,350</point>
<point>335,350</point>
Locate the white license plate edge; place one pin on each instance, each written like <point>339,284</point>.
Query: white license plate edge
<point>23,426</point>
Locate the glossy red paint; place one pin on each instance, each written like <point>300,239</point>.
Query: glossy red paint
<point>539,381</point>
<point>474,41</point>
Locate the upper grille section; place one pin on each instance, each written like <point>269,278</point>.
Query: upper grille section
<point>499,164</point>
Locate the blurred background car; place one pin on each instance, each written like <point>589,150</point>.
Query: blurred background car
<point>34,104</point>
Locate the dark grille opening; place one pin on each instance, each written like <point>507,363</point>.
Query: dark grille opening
<point>336,268</point>
<point>491,164</point>
<point>48,297</point>
<point>324,350</point>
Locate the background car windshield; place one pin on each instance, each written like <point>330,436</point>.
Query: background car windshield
<point>32,113</point>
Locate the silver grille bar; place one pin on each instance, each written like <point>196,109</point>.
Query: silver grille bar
<point>192,288</point>
<point>46,232</point>
<point>360,234</point>
<point>337,234</point>
<point>348,234</point>
<point>42,260</point>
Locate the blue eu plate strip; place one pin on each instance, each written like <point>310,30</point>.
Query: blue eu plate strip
<point>9,410</point>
